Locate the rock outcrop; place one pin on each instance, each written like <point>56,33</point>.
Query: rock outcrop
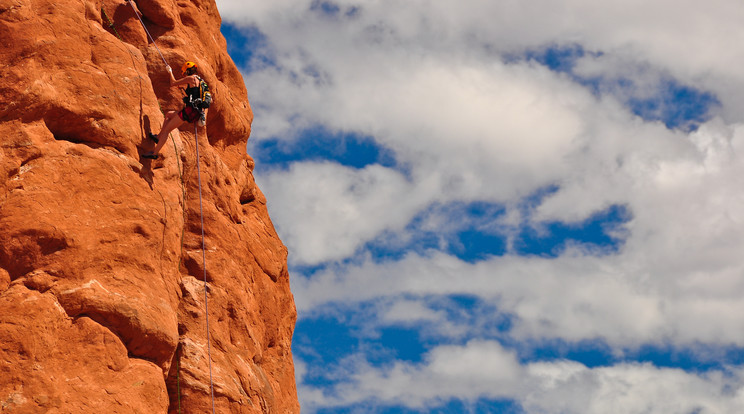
<point>102,298</point>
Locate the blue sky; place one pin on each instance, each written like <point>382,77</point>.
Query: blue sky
<point>503,207</point>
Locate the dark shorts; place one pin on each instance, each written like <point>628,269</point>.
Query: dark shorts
<point>189,114</point>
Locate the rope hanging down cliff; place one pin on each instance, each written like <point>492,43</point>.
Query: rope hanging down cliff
<point>131,3</point>
<point>204,263</point>
<point>201,216</point>
<point>112,26</point>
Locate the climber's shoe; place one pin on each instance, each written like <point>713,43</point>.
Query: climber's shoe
<point>150,155</point>
<point>153,137</point>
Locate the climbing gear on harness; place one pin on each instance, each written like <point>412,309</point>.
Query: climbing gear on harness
<point>198,96</point>
<point>153,137</point>
<point>197,99</point>
<point>189,114</point>
<point>150,155</point>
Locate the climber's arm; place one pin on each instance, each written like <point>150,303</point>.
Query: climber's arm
<point>187,80</point>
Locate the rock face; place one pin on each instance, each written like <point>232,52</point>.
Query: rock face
<point>103,306</point>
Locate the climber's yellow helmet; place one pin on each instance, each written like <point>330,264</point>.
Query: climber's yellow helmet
<point>188,67</point>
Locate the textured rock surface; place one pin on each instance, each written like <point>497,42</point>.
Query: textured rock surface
<point>102,299</point>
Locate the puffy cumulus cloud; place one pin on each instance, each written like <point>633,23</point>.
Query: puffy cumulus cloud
<point>484,369</point>
<point>480,368</point>
<point>688,42</point>
<point>687,228</point>
<point>442,125</point>
<point>465,133</point>
<point>433,317</point>
<point>407,311</point>
<point>325,211</point>
<point>447,87</point>
<point>468,125</point>
<point>453,149</point>
<point>676,277</point>
<point>569,387</point>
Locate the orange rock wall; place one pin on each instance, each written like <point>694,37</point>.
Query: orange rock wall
<point>102,298</point>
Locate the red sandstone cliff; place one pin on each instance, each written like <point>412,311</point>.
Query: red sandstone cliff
<point>102,305</point>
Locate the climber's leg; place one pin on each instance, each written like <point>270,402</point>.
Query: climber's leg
<point>171,122</point>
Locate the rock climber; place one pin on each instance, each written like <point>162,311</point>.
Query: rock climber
<point>196,101</point>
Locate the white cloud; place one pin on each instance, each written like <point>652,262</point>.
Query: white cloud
<point>469,126</point>
<point>411,311</point>
<point>428,80</point>
<point>568,387</point>
<point>677,278</point>
<point>325,211</point>
<point>484,369</point>
<point>690,42</point>
<point>495,134</point>
<point>574,297</point>
<point>478,369</point>
<point>682,247</point>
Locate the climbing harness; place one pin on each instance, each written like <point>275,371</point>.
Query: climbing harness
<point>201,216</point>
<point>198,96</point>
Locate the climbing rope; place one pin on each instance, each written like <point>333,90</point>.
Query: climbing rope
<point>201,216</point>
<point>204,264</point>
<point>131,3</point>
<point>175,148</point>
<point>110,24</point>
